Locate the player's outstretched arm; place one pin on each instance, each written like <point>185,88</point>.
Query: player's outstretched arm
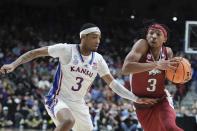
<point>123,92</point>
<point>26,57</point>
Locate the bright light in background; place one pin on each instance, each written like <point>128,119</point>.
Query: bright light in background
<point>132,16</point>
<point>174,18</point>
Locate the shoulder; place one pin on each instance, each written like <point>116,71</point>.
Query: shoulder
<point>169,52</point>
<point>58,46</point>
<point>60,49</point>
<point>98,56</point>
<point>139,48</point>
<point>141,45</point>
<point>62,46</point>
<point>168,49</point>
<point>141,42</point>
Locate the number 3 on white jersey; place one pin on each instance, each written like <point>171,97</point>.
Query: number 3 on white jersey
<point>152,85</point>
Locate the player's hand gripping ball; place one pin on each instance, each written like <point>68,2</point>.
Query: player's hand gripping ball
<point>182,73</point>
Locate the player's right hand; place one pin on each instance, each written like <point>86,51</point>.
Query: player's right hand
<point>7,68</point>
<point>166,64</point>
<point>148,101</point>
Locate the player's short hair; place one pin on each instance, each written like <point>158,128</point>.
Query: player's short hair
<point>88,28</point>
<point>87,25</point>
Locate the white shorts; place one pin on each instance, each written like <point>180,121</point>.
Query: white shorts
<point>80,111</point>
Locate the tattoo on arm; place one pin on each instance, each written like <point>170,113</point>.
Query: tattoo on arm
<point>30,55</point>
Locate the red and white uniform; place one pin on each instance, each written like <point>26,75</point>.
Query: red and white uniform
<point>150,83</point>
<point>160,117</point>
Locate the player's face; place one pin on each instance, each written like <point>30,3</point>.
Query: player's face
<point>155,38</point>
<point>92,41</point>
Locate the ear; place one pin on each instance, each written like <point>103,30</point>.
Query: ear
<point>83,36</point>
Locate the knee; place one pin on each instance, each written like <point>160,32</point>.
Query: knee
<point>67,123</point>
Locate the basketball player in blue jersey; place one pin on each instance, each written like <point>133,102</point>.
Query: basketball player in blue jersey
<point>78,66</point>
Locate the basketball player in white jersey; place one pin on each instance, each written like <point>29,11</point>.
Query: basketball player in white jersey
<point>78,66</point>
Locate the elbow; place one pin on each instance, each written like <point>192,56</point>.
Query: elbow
<point>125,70</point>
<point>124,73</point>
<point>128,68</point>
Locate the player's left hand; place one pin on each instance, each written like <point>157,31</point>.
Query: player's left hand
<point>150,101</point>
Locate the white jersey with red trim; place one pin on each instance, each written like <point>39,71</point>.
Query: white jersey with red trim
<point>75,73</point>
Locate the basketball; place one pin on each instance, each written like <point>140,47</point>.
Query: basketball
<point>182,74</point>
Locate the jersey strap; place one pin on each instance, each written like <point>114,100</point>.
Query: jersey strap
<point>82,60</point>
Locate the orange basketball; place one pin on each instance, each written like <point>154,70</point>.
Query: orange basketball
<point>182,74</point>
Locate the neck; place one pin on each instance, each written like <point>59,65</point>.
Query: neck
<point>84,51</point>
<point>156,53</point>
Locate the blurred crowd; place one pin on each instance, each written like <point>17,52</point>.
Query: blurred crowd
<point>22,92</point>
